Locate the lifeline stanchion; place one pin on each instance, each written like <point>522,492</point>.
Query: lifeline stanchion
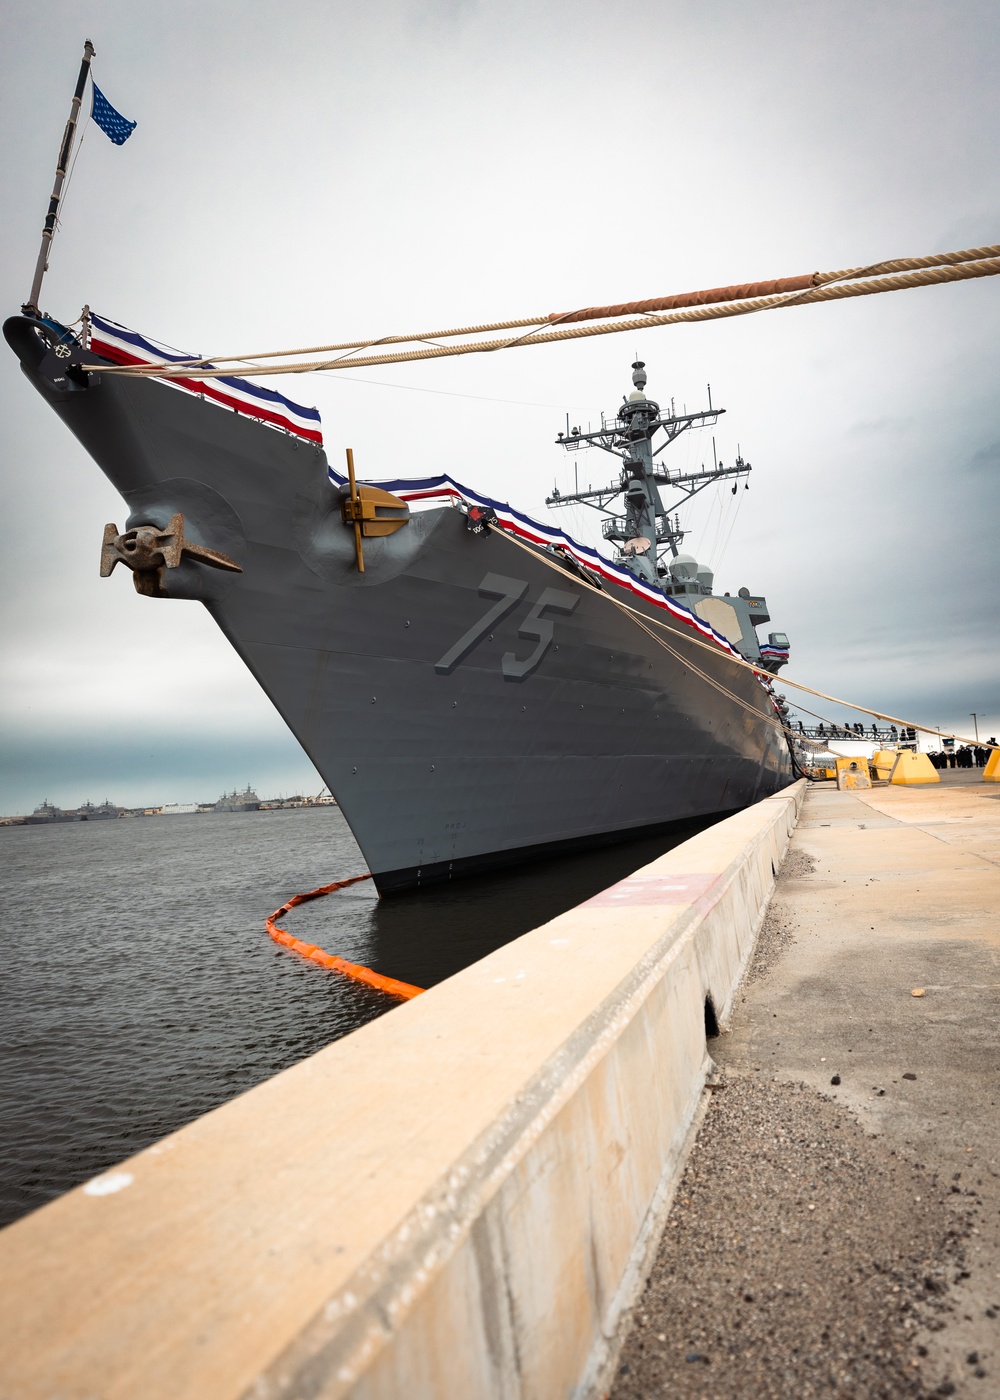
<point>390,985</point>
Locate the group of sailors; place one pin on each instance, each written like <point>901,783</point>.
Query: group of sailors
<point>968,756</point>
<point>858,731</point>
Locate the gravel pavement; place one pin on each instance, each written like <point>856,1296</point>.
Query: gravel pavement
<point>822,1242</point>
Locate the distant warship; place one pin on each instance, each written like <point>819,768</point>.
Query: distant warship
<point>474,687</point>
<point>107,811</point>
<point>245,801</point>
<point>45,814</point>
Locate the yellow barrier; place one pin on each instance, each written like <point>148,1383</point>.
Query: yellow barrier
<point>852,773</point>
<point>820,772</point>
<point>911,768</point>
<point>991,773</point>
<point>882,763</point>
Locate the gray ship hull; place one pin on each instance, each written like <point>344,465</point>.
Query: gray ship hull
<point>467,702</point>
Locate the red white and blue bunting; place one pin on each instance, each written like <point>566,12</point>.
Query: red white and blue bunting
<point>445,487</point>
<point>124,347</point>
<point>117,343</point>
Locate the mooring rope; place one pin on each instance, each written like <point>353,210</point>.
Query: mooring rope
<point>641,619</point>
<point>404,990</point>
<point>779,285</point>
<point>894,275</point>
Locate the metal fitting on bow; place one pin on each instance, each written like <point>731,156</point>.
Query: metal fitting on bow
<point>148,550</point>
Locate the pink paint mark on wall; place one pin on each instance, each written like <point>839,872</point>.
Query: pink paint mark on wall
<point>653,890</point>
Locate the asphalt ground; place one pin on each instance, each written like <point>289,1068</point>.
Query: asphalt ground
<point>836,1230</point>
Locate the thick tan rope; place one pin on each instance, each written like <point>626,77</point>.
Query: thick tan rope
<point>642,619</point>
<point>895,275</point>
<point>701,313</point>
<point>783,284</point>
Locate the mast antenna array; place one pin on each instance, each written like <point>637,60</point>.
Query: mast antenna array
<point>649,529</point>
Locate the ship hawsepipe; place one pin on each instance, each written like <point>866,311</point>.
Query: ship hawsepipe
<point>451,746</point>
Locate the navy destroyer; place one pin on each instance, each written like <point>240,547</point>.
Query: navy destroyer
<point>475,687</point>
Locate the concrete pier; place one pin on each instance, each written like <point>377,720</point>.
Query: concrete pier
<point>459,1199</point>
<point>477,1195</point>
<point>838,1226</point>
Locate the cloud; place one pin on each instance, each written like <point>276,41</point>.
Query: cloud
<point>414,165</point>
<point>986,458</point>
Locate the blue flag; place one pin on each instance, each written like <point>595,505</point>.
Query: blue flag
<point>111,122</point>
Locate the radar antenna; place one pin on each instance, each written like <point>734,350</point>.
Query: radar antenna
<point>649,529</point>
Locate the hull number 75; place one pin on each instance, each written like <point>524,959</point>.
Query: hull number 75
<point>509,592</point>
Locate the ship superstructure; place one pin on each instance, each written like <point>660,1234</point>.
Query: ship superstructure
<point>649,535</point>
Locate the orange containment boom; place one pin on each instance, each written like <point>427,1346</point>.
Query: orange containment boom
<point>390,985</point>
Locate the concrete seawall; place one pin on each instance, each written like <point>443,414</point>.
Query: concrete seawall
<point>459,1199</point>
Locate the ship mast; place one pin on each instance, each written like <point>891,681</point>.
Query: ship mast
<point>648,530</point>
<point>30,307</point>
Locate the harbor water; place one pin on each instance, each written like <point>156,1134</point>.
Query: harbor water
<point>140,989</point>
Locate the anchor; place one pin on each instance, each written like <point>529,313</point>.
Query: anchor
<point>147,550</point>
<point>362,508</point>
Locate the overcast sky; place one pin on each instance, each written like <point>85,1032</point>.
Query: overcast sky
<point>318,170</point>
